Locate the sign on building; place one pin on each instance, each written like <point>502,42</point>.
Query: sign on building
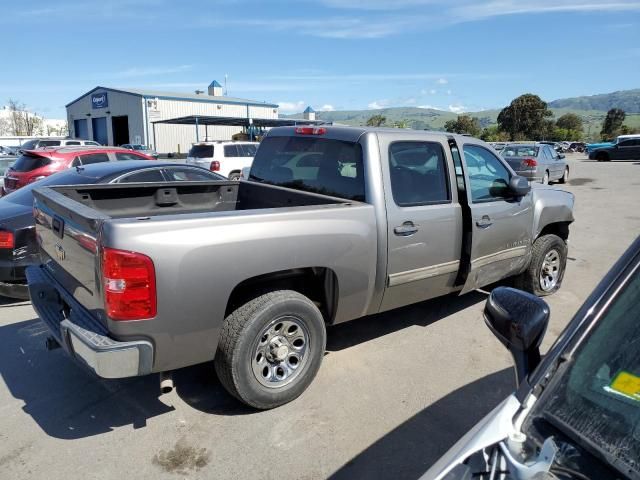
<point>99,100</point>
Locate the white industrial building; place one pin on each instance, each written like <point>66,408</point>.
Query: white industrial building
<point>115,116</point>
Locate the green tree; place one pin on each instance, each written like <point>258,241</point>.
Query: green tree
<point>612,123</point>
<point>401,124</point>
<point>464,124</point>
<point>376,120</point>
<point>494,134</point>
<point>525,117</point>
<point>570,121</point>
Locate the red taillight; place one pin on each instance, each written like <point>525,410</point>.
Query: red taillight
<point>6,240</point>
<point>215,166</point>
<point>311,130</point>
<point>529,162</point>
<point>129,282</point>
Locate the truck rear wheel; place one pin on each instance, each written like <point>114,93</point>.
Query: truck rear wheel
<point>546,269</point>
<point>271,348</point>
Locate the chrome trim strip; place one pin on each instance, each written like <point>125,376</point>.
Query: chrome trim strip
<point>498,256</point>
<point>423,273</point>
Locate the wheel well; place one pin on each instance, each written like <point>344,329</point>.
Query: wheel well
<point>560,229</point>
<point>319,284</point>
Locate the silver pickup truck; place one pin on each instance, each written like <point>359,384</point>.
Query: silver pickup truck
<point>334,224</point>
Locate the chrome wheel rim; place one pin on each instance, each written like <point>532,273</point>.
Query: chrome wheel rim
<point>281,352</point>
<point>545,179</point>
<point>550,271</point>
<point>566,174</point>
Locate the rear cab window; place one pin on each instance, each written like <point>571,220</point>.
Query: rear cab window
<point>312,164</point>
<point>231,151</point>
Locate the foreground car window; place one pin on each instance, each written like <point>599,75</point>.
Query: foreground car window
<point>598,397</point>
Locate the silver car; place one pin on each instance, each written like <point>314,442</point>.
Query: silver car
<point>537,162</point>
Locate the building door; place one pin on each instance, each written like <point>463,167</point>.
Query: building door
<point>120,128</point>
<point>81,129</point>
<point>100,135</point>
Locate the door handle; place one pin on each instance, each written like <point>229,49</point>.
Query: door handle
<point>484,222</point>
<point>406,229</point>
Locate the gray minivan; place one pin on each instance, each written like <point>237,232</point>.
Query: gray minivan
<point>537,162</point>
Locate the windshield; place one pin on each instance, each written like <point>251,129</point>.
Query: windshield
<point>24,196</point>
<point>312,164</point>
<point>201,151</point>
<point>520,151</point>
<point>597,397</point>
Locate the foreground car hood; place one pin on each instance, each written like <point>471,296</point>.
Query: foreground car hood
<point>492,429</point>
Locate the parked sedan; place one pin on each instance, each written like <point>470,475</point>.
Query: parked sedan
<point>576,413</point>
<point>141,148</point>
<point>538,162</point>
<point>18,248</point>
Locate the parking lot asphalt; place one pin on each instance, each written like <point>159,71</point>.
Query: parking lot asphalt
<point>393,394</point>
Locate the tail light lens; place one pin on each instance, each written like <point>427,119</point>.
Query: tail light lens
<point>6,239</point>
<point>215,166</point>
<point>311,130</point>
<point>529,162</point>
<point>129,281</point>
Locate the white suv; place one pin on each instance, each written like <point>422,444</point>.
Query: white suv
<point>35,143</point>
<point>226,158</point>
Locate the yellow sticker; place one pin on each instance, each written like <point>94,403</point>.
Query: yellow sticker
<point>628,384</point>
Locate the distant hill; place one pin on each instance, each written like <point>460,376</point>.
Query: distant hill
<point>627,100</point>
<point>591,109</point>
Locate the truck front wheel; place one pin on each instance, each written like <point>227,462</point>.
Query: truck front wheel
<point>546,269</point>
<point>271,348</point>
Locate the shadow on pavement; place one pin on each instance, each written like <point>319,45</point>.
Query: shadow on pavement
<point>64,399</point>
<point>352,333</point>
<point>410,449</point>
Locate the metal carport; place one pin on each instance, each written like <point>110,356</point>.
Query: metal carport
<point>247,123</point>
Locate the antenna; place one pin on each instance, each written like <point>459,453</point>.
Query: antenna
<point>226,90</point>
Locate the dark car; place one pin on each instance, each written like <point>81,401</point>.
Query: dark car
<point>18,247</point>
<point>576,413</point>
<point>628,149</point>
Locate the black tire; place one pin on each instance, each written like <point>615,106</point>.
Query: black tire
<point>602,157</point>
<point>529,280</point>
<point>234,176</point>
<point>242,332</point>
<point>565,176</point>
<point>545,178</point>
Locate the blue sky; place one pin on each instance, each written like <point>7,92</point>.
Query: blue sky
<point>456,55</point>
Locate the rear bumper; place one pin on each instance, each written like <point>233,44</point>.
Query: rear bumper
<point>530,175</point>
<point>82,336</point>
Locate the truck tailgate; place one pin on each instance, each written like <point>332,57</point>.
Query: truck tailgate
<point>67,232</point>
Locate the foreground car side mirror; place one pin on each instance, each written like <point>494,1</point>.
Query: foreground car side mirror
<point>519,320</point>
<point>519,186</point>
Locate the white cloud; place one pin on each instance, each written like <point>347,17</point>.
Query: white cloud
<point>377,105</point>
<point>449,92</point>
<point>376,4</point>
<point>291,107</point>
<point>327,108</point>
<point>442,81</point>
<point>151,71</point>
<point>433,91</point>
<point>457,108</point>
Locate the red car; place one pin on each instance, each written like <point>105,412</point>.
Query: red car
<point>33,165</point>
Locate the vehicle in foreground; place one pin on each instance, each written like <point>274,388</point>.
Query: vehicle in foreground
<point>36,143</point>
<point>537,162</point>
<point>34,165</point>
<point>626,149</point>
<point>575,414</point>
<point>226,158</point>
<point>334,224</point>
<point>18,247</point>
<point>142,149</point>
